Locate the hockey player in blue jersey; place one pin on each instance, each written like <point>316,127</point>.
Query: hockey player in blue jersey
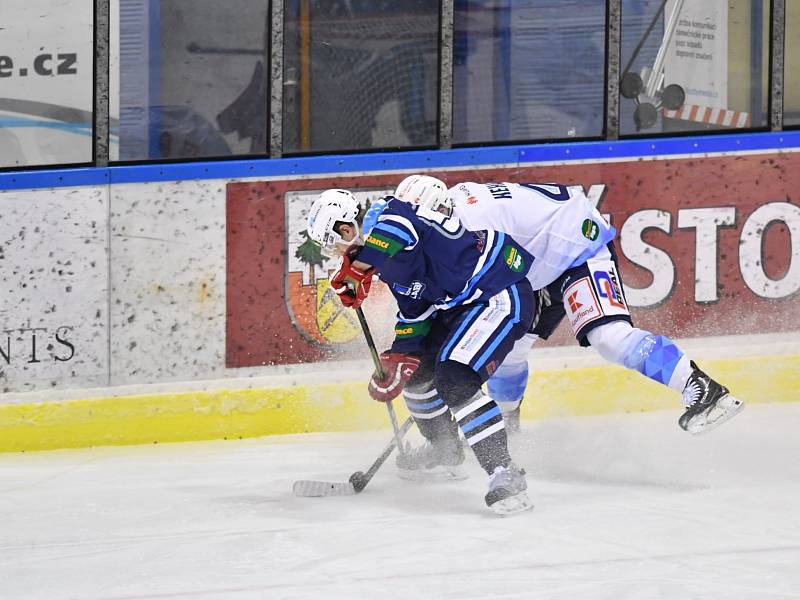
<point>575,270</point>
<point>463,302</point>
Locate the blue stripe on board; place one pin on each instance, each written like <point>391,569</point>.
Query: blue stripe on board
<point>405,161</point>
<point>21,180</point>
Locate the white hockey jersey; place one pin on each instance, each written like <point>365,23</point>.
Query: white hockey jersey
<point>559,226</point>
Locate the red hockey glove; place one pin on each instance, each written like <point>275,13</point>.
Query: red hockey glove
<point>397,369</point>
<point>351,284</point>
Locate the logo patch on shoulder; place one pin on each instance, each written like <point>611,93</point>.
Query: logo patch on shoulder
<point>514,259</point>
<point>480,240</point>
<point>412,291</point>
<point>590,230</point>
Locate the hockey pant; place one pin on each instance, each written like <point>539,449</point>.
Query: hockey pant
<point>464,347</point>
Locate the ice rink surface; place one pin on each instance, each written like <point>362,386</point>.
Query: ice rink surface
<point>627,507</point>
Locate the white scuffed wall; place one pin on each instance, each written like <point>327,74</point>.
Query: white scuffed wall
<point>167,281</point>
<point>164,306</point>
<point>54,278</point>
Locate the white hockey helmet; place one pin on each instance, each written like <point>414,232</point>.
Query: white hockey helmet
<point>331,207</point>
<point>426,191</point>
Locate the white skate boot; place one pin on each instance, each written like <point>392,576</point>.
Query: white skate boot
<point>506,495</point>
<point>708,404</point>
<point>443,460</point>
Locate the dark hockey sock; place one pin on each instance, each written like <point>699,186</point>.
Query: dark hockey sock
<point>438,427</point>
<point>477,415</point>
<point>427,406</point>
<point>482,423</point>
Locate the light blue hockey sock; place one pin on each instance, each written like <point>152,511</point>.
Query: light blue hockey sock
<point>656,357</point>
<point>507,385</point>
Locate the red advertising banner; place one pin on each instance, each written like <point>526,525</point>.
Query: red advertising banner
<point>707,246</point>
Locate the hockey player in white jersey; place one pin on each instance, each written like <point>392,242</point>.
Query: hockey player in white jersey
<point>576,273</point>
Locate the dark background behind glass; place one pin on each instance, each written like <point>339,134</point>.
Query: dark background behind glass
<point>207,83</point>
<point>360,74</point>
<point>528,70</point>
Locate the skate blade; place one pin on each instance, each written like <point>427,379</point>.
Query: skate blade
<point>512,505</point>
<point>724,410</point>
<point>440,473</point>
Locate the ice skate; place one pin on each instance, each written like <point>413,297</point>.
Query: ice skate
<point>708,404</point>
<point>507,495</point>
<point>443,460</point>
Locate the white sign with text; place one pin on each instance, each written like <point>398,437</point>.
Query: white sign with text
<point>46,75</point>
<point>697,55</point>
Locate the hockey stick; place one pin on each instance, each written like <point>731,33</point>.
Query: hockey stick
<point>379,370</point>
<point>358,480</point>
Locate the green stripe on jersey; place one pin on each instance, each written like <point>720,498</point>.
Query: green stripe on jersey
<point>409,330</point>
<point>384,244</point>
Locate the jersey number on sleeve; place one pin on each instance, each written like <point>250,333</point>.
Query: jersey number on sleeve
<point>559,193</point>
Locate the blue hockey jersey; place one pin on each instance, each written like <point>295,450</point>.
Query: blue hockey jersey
<point>431,263</point>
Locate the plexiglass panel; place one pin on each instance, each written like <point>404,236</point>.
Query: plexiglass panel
<point>528,69</point>
<point>693,65</point>
<point>190,78</point>
<point>46,82</point>
<point>360,74</point>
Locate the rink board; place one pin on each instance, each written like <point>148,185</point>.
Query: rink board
<point>235,414</point>
<point>190,272</point>
<point>168,302</point>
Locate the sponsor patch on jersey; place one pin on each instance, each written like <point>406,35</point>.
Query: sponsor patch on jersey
<point>606,283</point>
<point>482,331</point>
<point>384,244</point>
<point>590,230</point>
<point>514,259</point>
<point>412,291</point>
<point>408,330</point>
<point>582,305</point>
